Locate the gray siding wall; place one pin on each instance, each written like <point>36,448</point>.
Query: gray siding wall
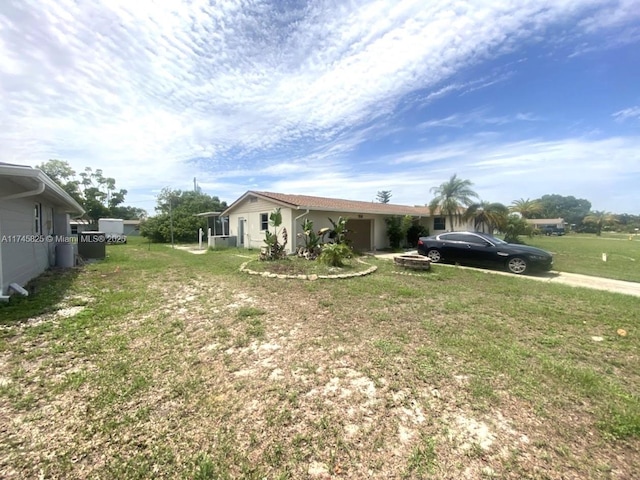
<point>20,262</point>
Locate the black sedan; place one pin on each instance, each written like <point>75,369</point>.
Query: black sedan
<point>482,250</point>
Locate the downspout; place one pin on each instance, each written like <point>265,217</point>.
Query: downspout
<point>29,193</point>
<point>294,229</point>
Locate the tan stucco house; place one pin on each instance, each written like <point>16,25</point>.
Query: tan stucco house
<point>249,218</point>
<point>32,206</point>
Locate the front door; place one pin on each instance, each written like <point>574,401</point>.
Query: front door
<point>241,231</point>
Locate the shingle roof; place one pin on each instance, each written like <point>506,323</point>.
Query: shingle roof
<point>335,204</point>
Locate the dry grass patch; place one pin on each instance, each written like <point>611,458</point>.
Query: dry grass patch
<point>185,368</point>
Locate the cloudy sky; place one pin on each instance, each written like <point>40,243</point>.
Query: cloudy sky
<point>334,98</point>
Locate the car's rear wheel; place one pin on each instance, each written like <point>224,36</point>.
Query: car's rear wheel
<point>434,255</point>
<point>517,265</point>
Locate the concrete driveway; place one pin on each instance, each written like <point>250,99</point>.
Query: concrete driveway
<point>571,279</point>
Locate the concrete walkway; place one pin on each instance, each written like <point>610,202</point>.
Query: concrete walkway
<point>571,279</point>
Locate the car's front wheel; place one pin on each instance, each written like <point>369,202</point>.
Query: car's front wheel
<point>517,265</point>
<point>434,255</point>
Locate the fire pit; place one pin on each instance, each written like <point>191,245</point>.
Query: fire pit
<point>413,262</point>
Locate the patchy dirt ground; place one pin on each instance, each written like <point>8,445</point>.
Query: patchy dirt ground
<point>222,378</point>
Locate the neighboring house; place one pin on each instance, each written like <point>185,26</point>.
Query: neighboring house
<point>32,207</point>
<point>249,218</point>
<point>79,225</point>
<point>131,228</point>
<point>542,223</point>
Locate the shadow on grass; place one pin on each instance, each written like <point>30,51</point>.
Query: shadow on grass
<point>45,292</point>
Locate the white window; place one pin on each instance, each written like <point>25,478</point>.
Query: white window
<point>38,218</point>
<point>264,221</point>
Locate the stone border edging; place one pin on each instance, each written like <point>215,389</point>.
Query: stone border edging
<point>368,271</point>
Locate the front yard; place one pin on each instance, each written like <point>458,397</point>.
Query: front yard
<point>162,364</point>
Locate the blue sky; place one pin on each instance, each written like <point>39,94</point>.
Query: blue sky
<point>343,99</point>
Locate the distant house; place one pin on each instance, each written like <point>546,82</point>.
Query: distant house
<point>131,228</point>
<point>79,225</point>
<point>34,210</point>
<point>543,223</point>
<point>249,218</point>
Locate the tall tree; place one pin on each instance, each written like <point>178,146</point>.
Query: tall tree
<point>179,208</point>
<point>492,216</point>
<point>383,196</point>
<point>526,207</point>
<point>451,196</point>
<point>96,193</point>
<point>572,209</point>
<point>599,219</point>
<point>61,172</point>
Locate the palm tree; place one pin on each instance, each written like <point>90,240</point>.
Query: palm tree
<point>600,219</point>
<point>527,208</point>
<point>451,196</point>
<point>487,214</point>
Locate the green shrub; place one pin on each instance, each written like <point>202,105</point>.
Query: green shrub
<point>334,254</point>
<point>414,232</point>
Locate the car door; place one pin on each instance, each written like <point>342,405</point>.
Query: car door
<point>455,247</point>
<point>481,252</point>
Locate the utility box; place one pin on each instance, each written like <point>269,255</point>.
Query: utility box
<point>92,245</point>
<point>220,241</point>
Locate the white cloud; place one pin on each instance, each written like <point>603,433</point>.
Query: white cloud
<point>142,88</point>
<point>598,170</point>
<point>627,113</point>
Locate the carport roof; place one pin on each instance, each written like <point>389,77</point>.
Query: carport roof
<point>303,202</point>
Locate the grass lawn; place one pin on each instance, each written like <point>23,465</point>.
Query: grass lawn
<point>158,363</point>
<point>582,253</point>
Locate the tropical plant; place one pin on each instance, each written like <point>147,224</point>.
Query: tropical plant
<point>487,215</point>
<point>274,249</point>
<point>311,248</point>
<point>526,207</point>
<point>451,196</point>
<point>339,231</point>
<point>334,254</point>
<point>514,227</point>
<point>599,219</point>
